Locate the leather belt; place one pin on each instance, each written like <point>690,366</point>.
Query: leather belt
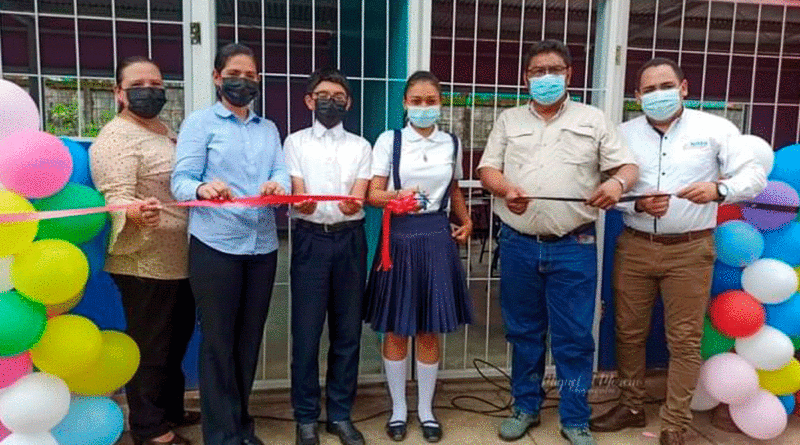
<point>328,228</point>
<point>581,229</point>
<point>671,239</point>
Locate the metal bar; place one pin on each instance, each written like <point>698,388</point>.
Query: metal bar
<point>588,45</point>
<point>655,29</point>
<point>361,107</point>
<point>263,58</point>
<point>683,21</point>
<point>78,69</point>
<point>778,80</point>
<point>149,33</point>
<point>730,60</point>
<point>313,35</point>
<point>753,77</point>
<point>35,13</point>
<point>705,56</point>
<point>235,21</point>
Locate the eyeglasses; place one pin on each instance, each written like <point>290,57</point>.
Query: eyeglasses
<point>540,71</point>
<point>339,98</point>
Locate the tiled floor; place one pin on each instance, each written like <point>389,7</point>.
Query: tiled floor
<point>463,428</point>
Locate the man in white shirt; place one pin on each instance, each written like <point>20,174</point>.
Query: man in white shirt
<point>329,249</point>
<point>687,163</point>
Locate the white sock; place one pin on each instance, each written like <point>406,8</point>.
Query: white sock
<point>396,379</point>
<point>426,386</point>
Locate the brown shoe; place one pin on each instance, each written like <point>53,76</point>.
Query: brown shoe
<point>618,418</point>
<point>672,437</point>
<point>721,419</point>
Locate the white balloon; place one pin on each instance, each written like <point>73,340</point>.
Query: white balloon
<point>30,439</point>
<point>763,152</point>
<point>768,349</point>
<point>18,111</point>
<point>762,417</point>
<point>729,378</point>
<point>34,403</point>
<point>769,280</point>
<point>702,400</point>
<point>5,273</point>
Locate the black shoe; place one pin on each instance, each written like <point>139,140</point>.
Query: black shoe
<point>177,440</point>
<point>189,418</point>
<point>396,430</point>
<point>431,430</point>
<point>306,434</point>
<point>348,434</point>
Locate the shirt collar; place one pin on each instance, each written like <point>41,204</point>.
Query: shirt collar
<point>319,130</point>
<point>558,114</point>
<point>413,135</point>
<point>672,125</point>
<point>223,112</point>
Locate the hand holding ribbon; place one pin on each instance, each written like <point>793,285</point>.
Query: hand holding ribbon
<point>397,206</point>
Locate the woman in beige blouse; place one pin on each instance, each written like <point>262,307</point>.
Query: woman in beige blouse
<point>131,162</point>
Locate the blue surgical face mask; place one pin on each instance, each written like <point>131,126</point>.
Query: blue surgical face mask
<point>661,105</point>
<point>424,117</point>
<point>548,89</point>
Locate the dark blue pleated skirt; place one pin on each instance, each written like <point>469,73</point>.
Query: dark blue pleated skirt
<point>426,289</point>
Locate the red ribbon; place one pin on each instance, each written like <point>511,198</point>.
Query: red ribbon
<point>397,206</point>
<point>255,201</point>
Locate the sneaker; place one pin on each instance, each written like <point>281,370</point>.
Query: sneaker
<point>578,435</point>
<point>518,424</point>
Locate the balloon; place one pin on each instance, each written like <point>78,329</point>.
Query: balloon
<point>80,162</point>
<point>788,402</point>
<point>702,400</point>
<point>783,381</point>
<point>787,166</point>
<point>34,164</point>
<point>795,342</point>
<point>725,278</point>
<point>5,273</point>
<point>50,271</point>
<point>778,193</point>
<point>62,308</point>
<point>23,323</point>
<point>761,149</point>
<point>15,237</point>
<point>738,243</point>
<point>713,342</point>
<point>797,272</point>
<point>736,314</point>
<point>30,439</point>
<point>769,280</point>
<point>4,432</point>
<point>762,417</point>
<point>784,244</point>
<point>75,229</point>
<point>91,421</point>
<point>13,368</point>
<point>34,404</point>
<point>18,111</point>
<point>728,378</point>
<point>785,316</point>
<point>728,212</point>
<point>768,349</point>
<point>118,361</point>
<point>71,344</point>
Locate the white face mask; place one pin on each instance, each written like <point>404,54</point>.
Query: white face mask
<point>661,105</point>
<point>424,117</point>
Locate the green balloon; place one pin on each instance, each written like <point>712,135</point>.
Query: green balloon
<point>23,323</point>
<point>796,342</point>
<point>713,342</point>
<point>75,229</point>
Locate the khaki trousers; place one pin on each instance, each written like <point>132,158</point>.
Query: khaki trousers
<point>681,273</point>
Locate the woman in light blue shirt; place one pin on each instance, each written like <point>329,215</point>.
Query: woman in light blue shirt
<point>224,152</point>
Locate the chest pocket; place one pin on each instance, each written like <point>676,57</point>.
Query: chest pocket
<point>696,154</point>
<point>518,151</point>
<point>577,145</point>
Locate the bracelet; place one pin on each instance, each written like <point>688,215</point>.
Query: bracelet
<point>621,182</point>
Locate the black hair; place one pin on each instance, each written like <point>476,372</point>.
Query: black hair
<point>422,76</point>
<point>658,61</point>
<point>548,46</point>
<point>230,50</point>
<point>126,62</point>
<point>328,74</point>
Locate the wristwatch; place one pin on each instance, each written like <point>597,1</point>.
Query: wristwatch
<point>722,191</point>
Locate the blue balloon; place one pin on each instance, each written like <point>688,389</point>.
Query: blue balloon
<point>725,278</point>
<point>784,244</point>
<point>738,243</point>
<point>787,166</point>
<point>95,251</point>
<point>788,403</point>
<point>90,421</point>
<point>80,162</point>
<point>785,316</point>
<point>102,303</point>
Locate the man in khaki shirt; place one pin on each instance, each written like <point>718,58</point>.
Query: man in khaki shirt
<point>552,147</point>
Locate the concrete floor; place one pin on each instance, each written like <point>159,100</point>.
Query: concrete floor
<point>463,428</point>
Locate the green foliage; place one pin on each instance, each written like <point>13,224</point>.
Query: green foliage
<point>62,120</point>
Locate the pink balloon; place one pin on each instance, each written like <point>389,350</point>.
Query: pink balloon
<point>762,417</point>
<point>34,164</point>
<point>14,367</point>
<point>18,111</point>
<point>728,377</point>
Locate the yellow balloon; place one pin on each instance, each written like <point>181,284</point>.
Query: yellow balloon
<point>63,308</point>
<point>797,271</point>
<point>71,344</point>
<point>783,381</point>
<point>50,271</point>
<point>118,361</point>
<point>15,237</point>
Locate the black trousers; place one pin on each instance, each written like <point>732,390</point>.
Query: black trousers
<point>232,293</point>
<point>328,278</point>
<point>160,318</point>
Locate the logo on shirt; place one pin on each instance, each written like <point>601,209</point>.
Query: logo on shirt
<point>699,143</point>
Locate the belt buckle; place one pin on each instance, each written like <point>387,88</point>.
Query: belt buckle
<point>326,228</point>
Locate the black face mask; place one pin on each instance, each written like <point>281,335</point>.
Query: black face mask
<point>146,102</point>
<point>329,112</point>
<point>238,90</point>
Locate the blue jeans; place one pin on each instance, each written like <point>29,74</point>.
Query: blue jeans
<point>549,284</point>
